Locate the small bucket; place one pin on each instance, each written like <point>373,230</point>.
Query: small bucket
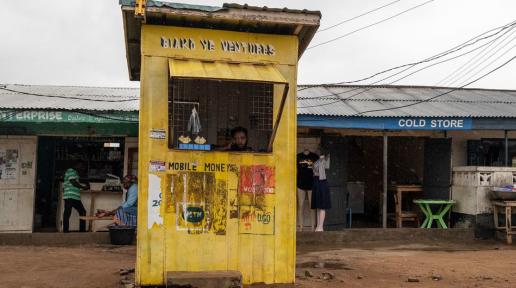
<point>121,235</point>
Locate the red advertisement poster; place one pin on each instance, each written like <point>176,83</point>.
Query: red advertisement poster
<point>257,179</point>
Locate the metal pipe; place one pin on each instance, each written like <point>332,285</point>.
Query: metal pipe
<point>506,144</point>
<point>385,163</point>
<point>278,119</point>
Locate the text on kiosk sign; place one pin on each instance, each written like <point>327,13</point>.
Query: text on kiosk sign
<point>186,43</point>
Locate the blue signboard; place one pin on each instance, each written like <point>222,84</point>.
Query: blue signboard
<point>386,123</point>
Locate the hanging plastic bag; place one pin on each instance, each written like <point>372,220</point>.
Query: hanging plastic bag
<point>194,123</point>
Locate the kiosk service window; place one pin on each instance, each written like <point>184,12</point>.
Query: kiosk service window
<point>204,113</point>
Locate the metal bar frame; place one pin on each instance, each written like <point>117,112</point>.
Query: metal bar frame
<point>385,167</point>
<point>506,147</point>
<point>278,119</point>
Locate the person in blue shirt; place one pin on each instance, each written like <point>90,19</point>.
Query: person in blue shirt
<point>125,214</point>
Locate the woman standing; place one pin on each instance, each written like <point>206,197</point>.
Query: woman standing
<point>320,192</point>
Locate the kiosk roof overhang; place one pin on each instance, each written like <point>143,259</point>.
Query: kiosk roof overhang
<point>224,71</point>
<point>230,17</point>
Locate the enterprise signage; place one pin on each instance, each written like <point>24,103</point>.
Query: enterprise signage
<point>41,116</point>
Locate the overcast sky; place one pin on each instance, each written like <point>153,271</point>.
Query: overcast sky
<point>80,42</point>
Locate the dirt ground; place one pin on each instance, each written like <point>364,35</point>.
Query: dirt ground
<point>477,264</point>
<point>378,264</point>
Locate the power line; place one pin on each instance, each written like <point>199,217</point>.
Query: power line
<point>484,60</point>
<point>439,95</point>
<point>370,25</point>
<point>356,17</point>
<point>453,74</point>
<point>397,80</point>
<point>461,46</point>
<point>489,64</point>
<point>446,60</point>
<point>69,97</point>
<point>436,56</point>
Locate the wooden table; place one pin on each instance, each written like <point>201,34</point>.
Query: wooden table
<point>426,207</point>
<point>92,216</point>
<point>401,215</point>
<point>506,208</point>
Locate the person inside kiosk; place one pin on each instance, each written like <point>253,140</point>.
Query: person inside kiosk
<point>239,140</point>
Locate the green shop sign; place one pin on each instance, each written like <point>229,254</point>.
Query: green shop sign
<point>45,116</point>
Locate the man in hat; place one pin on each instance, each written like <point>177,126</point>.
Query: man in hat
<point>125,214</point>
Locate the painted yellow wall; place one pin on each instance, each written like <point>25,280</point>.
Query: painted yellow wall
<point>263,252</point>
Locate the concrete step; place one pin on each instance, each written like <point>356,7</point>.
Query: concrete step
<point>349,236</point>
<point>204,279</point>
<point>343,237</point>
<point>54,239</point>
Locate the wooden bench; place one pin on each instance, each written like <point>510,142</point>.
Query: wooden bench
<point>90,220</point>
<point>504,207</point>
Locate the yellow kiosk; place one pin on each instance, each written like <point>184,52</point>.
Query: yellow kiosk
<point>217,137</point>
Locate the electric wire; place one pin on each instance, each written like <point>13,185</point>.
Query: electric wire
<point>443,61</point>
<point>439,95</point>
<point>370,25</point>
<point>358,16</point>
<point>461,46</point>
<point>457,72</point>
<point>70,97</point>
<point>489,64</point>
<point>388,77</point>
<point>471,69</point>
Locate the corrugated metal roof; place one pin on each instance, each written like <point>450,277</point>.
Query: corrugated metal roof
<point>69,98</point>
<point>320,100</point>
<point>265,8</point>
<point>205,8</point>
<point>173,5</point>
<point>312,100</point>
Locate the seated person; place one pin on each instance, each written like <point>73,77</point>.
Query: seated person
<point>126,214</point>
<point>239,140</point>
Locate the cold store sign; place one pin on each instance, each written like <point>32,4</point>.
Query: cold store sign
<point>386,123</point>
<point>432,124</point>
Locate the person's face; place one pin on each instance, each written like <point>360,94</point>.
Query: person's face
<point>240,139</point>
<point>126,184</point>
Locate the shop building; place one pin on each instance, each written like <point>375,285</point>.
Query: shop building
<point>45,130</point>
<point>375,146</point>
<point>42,133</point>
